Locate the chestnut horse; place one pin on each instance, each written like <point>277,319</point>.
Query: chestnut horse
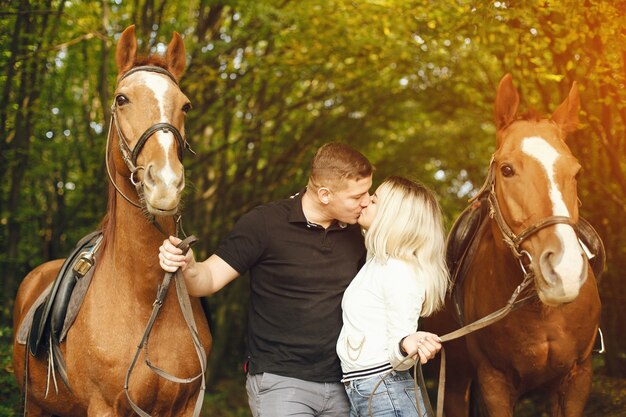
<point>149,113</point>
<point>545,344</point>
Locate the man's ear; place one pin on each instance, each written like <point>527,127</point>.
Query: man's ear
<point>323,194</point>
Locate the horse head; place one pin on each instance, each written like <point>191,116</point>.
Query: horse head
<point>535,189</point>
<point>148,115</point>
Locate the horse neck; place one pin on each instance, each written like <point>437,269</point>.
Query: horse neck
<point>133,242</point>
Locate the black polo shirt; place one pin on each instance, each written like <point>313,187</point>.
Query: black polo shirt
<point>298,273</point>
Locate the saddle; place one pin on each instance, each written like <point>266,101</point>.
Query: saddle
<point>51,317</point>
<point>467,230</point>
<point>461,246</point>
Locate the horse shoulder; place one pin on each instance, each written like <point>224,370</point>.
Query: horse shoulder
<point>33,285</point>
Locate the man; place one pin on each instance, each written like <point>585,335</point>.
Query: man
<point>302,253</point>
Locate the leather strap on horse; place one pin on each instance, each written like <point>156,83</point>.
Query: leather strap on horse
<point>514,241</point>
<point>512,304</point>
<point>185,306</point>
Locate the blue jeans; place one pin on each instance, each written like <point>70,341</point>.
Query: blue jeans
<point>394,397</point>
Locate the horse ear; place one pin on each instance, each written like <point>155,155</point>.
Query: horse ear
<point>566,115</point>
<point>176,55</point>
<point>507,101</point>
<point>126,49</point>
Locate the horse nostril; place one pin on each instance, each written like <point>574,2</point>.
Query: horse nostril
<point>547,267</point>
<point>181,183</point>
<point>149,178</point>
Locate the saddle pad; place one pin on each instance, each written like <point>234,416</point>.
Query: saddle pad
<point>76,300</point>
<point>461,237</point>
<point>593,245</point>
<point>22,332</point>
<point>78,294</point>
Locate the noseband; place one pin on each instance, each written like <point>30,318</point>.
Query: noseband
<point>130,155</point>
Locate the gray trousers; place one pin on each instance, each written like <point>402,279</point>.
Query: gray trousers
<point>271,395</point>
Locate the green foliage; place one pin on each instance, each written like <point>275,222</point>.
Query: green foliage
<point>410,83</point>
<point>227,398</point>
<point>10,394</point>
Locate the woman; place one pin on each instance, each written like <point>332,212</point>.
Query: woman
<point>405,277</point>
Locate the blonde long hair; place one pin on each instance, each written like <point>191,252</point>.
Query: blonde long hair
<point>408,225</point>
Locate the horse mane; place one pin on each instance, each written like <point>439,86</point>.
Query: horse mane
<point>107,224</point>
<point>153,60</point>
<point>530,115</point>
<point>156,60</point>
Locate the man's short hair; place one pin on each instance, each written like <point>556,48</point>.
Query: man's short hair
<point>335,163</point>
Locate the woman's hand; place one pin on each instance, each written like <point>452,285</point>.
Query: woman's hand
<point>422,344</point>
<point>171,258</point>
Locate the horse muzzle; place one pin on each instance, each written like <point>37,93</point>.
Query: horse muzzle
<point>162,190</point>
<point>560,276</point>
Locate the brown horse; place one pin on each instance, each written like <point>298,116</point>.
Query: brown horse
<point>546,343</point>
<point>149,112</point>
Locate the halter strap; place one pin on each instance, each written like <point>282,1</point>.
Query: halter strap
<point>515,241</point>
<point>149,68</point>
<point>165,127</point>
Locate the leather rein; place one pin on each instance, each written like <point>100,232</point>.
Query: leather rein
<point>185,307</point>
<point>514,242</point>
<point>130,159</point>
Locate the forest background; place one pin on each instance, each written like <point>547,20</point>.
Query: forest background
<point>410,83</point>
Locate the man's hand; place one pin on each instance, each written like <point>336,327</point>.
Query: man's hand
<point>171,258</point>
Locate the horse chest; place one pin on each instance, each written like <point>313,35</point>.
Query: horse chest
<point>111,343</point>
<point>529,345</point>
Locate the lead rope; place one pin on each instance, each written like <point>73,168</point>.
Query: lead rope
<point>185,305</point>
<point>512,304</point>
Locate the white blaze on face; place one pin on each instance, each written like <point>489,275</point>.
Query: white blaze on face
<point>159,85</point>
<point>567,265</point>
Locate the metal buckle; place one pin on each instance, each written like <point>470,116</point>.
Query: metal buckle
<point>523,253</point>
<point>601,349</point>
<point>132,176</point>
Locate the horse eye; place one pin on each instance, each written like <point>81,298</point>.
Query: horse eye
<point>121,100</point>
<point>507,171</point>
<point>187,107</point>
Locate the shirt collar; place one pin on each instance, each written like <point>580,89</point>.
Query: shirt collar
<point>296,213</point>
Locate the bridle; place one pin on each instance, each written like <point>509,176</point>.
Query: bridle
<point>512,240</point>
<point>130,155</point>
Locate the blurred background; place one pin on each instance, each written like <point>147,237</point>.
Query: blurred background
<point>410,83</point>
